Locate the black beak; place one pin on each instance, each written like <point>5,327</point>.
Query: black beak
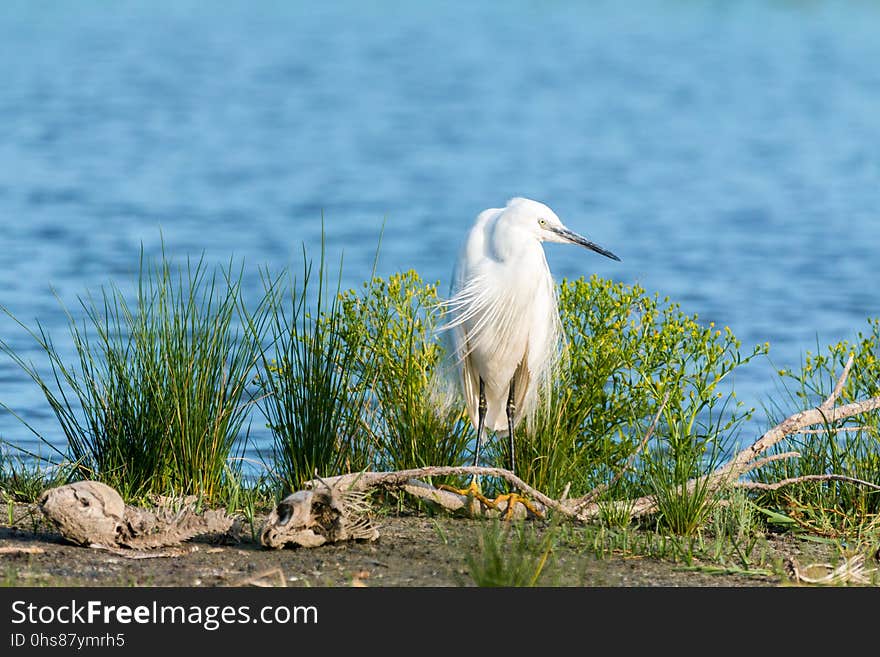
<point>574,238</point>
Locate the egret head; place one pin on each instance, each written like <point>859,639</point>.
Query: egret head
<point>540,221</point>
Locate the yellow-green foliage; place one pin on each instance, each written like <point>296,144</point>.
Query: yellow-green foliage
<point>820,371</point>
<point>625,350</point>
<point>850,448</point>
<point>396,321</point>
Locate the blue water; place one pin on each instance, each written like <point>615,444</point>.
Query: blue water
<point>728,152</point>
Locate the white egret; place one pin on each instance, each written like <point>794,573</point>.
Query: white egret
<point>502,320</point>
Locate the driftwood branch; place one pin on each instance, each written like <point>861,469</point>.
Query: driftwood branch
<point>834,429</point>
<point>586,508</point>
<point>411,482</point>
<point>759,463</point>
<point>798,480</point>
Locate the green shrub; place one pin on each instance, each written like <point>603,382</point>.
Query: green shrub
<point>624,352</point>
<point>850,448</point>
<point>411,425</point>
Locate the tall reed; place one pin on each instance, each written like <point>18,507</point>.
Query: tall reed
<point>158,395</point>
<point>309,392</point>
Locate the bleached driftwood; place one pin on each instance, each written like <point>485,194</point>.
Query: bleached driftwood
<point>587,507</point>
<point>93,514</point>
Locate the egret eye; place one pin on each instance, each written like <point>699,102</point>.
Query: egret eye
<point>542,222</point>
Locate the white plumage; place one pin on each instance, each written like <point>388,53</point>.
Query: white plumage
<point>502,317</point>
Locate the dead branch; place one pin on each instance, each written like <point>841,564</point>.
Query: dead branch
<point>759,463</point>
<point>586,508</point>
<point>411,482</point>
<point>825,413</point>
<point>838,388</point>
<point>798,480</point>
<point>833,430</point>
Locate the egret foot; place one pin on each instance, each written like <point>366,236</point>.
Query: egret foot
<point>473,491</point>
<point>512,500</point>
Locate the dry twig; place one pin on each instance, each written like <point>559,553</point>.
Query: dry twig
<point>586,508</point>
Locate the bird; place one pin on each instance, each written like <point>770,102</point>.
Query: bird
<point>502,327</point>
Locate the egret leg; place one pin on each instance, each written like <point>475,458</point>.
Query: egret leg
<point>513,498</point>
<point>474,489</point>
<point>481,421</point>
<point>511,410</point>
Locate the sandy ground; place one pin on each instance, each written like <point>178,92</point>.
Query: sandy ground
<point>413,550</point>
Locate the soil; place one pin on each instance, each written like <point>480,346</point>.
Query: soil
<point>413,550</point>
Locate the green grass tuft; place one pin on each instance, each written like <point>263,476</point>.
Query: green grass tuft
<point>510,554</point>
<point>158,396</point>
<point>309,392</point>
<point>410,423</point>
